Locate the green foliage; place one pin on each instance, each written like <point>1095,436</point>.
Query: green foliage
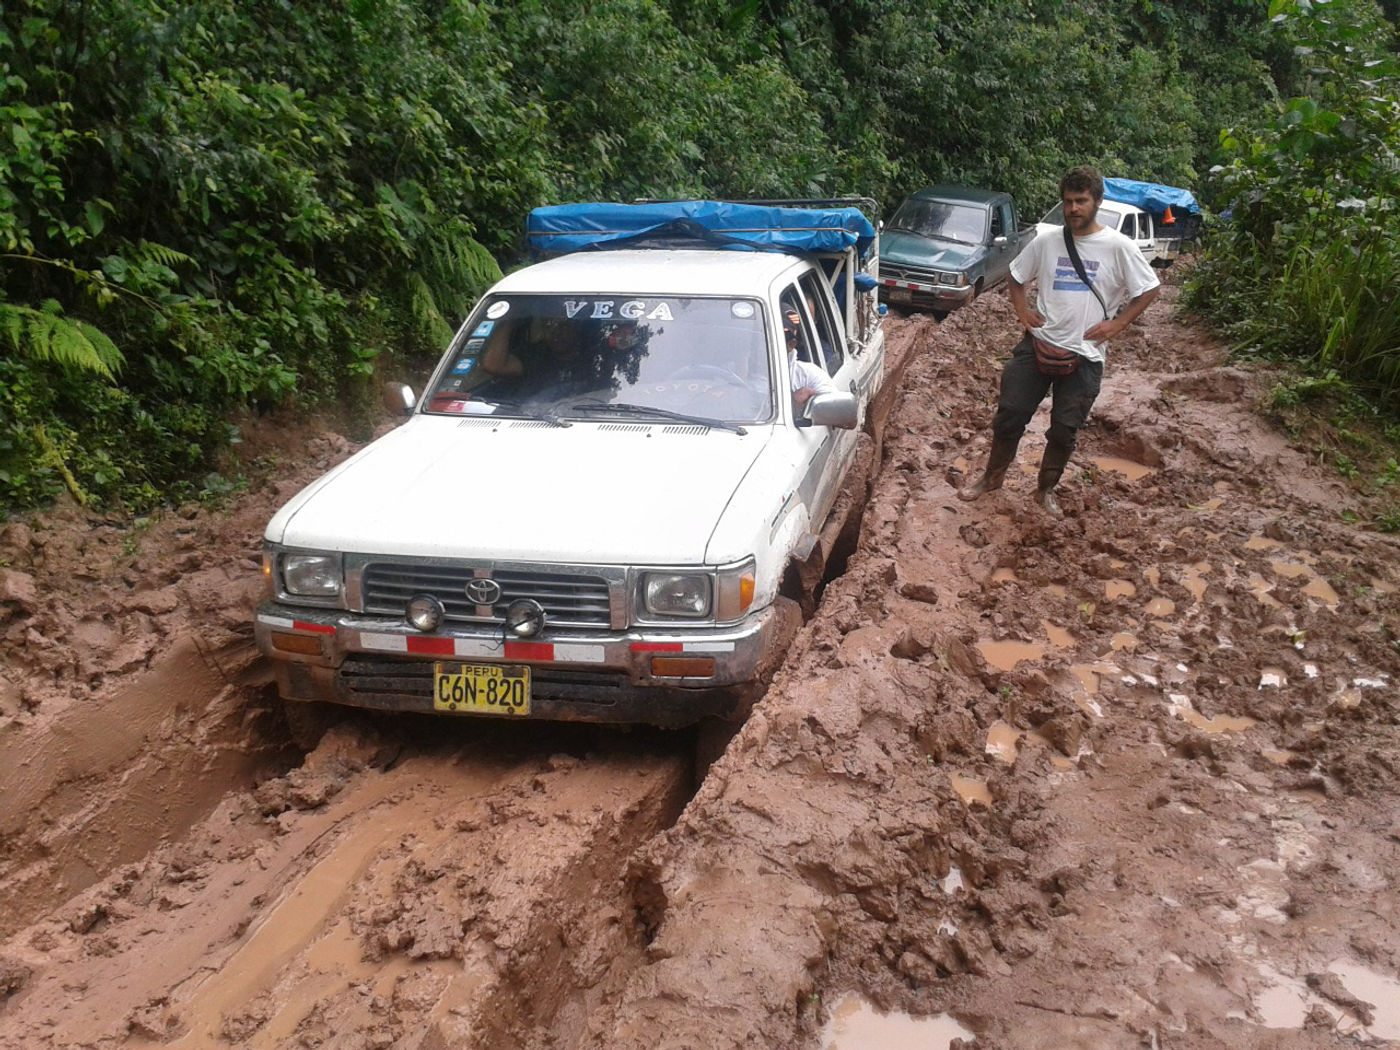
<point>1308,266</point>
<point>46,335</point>
<point>1299,390</point>
<point>1354,435</point>
<point>214,207</point>
<point>232,209</point>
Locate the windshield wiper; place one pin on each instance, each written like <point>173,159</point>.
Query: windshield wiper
<point>626,409</point>
<point>550,416</point>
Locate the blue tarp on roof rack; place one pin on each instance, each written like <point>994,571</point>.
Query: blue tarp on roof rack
<point>752,227</point>
<point>1150,196</point>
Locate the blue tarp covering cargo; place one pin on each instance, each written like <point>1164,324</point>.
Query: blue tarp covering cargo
<point>752,227</point>
<point>1150,196</point>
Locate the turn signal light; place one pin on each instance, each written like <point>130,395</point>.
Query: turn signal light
<point>305,644</point>
<point>683,666</point>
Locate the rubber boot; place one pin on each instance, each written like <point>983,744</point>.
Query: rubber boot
<point>1052,466</point>
<point>1002,453</point>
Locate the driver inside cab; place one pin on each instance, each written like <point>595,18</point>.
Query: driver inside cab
<point>807,379</point>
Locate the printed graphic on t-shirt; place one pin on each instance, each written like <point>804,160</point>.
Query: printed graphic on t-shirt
<point>1066,280</point>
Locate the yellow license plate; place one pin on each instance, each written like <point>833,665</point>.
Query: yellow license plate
<point>481,689</point>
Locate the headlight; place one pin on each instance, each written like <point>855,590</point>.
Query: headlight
<point>424,612</point>
<point>950,278</point>
<point>676,594</point>
<point>311,575</point>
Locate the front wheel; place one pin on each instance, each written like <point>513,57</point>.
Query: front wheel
<point>307,721</point>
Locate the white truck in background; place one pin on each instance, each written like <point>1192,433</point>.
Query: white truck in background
<point>1158,219</point>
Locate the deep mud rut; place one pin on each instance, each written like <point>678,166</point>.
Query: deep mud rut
<point>1125,780</point>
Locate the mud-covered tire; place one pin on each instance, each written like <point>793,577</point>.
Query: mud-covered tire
<point>307,721</point>
<point>712,737</point>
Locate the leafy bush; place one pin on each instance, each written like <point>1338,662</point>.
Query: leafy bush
<point>1308,265</point>
<point>216,206</point>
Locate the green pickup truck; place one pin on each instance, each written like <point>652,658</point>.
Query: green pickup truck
<point>946,245</point>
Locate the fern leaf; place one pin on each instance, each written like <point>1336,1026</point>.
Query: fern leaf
<point>46,335</point>
<point>481,265</point>
<point>12,324</point>
<point>427,318</point>
<point>164,255</point>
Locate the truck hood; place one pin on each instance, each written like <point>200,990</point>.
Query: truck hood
<point>917,250</point>
<point>523,491</point>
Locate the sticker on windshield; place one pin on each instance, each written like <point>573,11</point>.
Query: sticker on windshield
<point>463,366</point>
<point>497,309</point>
<point>484,329</point>
<point>741,310</point>
<point>473,345</point>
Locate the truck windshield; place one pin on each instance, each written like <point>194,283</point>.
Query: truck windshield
<point>941,219</point>
<point>570,355</point>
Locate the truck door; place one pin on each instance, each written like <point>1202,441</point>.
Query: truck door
<point>1137,227</point>
<point>1000,255</point>
<point>1147,235</point>
<point>829,450</point>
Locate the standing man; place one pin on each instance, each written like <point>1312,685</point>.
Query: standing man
<point>1063,349</point>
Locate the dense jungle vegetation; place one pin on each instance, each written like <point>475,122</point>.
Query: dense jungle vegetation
<point>216,207</point>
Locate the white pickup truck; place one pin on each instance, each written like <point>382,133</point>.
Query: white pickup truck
<point>1158,219</point>
<point>591,512</point>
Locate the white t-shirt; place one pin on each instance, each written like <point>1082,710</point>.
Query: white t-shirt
<point>1115,266</point>
<point>806,374</point>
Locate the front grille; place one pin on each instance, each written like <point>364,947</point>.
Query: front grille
<point>901,272</point>
<point>568,600</point>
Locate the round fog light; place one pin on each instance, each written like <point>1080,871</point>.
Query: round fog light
<point>425,612</point>
<point>525,618</point>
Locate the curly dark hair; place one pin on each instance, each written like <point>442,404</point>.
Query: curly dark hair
<point>1084,177</point>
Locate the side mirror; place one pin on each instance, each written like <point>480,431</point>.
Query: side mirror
<point>399,399</point>
<point>830,410</point>
<point>1000,242</point>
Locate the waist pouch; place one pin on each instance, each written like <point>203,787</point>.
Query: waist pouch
<point>1052,361</point>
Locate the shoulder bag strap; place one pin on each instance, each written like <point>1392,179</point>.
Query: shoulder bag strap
<point>1079,268</point>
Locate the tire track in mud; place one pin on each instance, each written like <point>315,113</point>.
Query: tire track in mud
<point>498,889</point>
<point>440,899</point>
<point>101,785</point>
<point>431,903</point>
<point>911,816</point>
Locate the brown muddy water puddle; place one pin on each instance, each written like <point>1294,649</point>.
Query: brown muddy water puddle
<point>1286,1001</point>
<point>1004,655</point>
<point>856,1025</point>
<point>1119,589</point>
<point>1160,608</point>
<point>1132,471</point>
<point>1183,709</point>
<point>1316,586</point>
<point>1058,635</point>
<point>1194,580</point>
<point>1004,744</point>
<point>971,790</point>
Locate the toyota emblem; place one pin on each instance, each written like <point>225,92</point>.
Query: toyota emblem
<point>483,592</point>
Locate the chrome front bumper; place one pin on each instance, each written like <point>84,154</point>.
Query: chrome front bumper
<point>925,296</point>
<point>376,662</point>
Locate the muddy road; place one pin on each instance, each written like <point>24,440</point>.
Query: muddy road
<point>1125,780</point>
